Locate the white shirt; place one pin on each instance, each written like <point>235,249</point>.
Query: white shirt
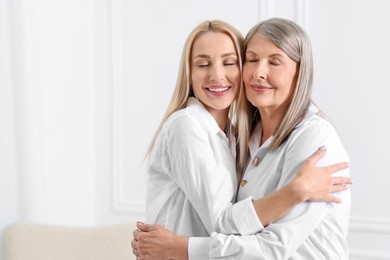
<point>192,178</point>
<point>312,230</point>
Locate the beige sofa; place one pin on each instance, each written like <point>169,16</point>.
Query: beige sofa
<point>51,242</point>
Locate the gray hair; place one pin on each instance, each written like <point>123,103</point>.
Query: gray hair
<point>294,41</point>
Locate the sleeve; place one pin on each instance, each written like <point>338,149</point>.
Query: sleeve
<point>280,240</point>
<point>198,248</point>
<point>205,181</point>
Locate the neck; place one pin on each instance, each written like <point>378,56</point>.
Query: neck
<point>221,117</point>
<point>270,119</point>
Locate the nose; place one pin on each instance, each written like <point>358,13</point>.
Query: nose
<point>217,73</point>
<point>260,72</point>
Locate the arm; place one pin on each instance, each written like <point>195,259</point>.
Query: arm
<point>207,183</point>
<point>311,183</point>
<point>198,247</point>
<point>308,224</point>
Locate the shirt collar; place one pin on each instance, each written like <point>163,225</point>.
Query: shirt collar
<point>255,137</point>
<point>211,123</point>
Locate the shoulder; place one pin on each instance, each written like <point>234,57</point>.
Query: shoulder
<point>186,121</point>
<point>315,125</point>
<point>316,132</point>
<point>312,123</point>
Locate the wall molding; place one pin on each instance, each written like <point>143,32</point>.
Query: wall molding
<point>368,254</point>
<point>120,203</point>
<point>265,8</point>
<point>369,225</point>
<point>301,12</point>
<point>378,227</point>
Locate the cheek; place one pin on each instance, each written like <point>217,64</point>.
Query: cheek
<point>246,74</point>
<point>285,87</point>
<point>248,95</point>
<point>233,75</point>
<point>195,79</point>
<point>288,79</point>
<point>236,77</point>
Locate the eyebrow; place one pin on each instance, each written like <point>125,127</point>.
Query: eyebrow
<point>223,55</point>
<point>272,55</point>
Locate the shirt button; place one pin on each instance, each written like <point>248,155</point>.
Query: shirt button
<point>256,161</point>
<point>243,182</point>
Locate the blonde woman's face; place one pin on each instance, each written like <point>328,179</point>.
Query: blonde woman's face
<point>215,70</point>
<point>268,74</point>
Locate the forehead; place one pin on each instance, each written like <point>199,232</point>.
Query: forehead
<point>213,42</point>
<point>259,44</point>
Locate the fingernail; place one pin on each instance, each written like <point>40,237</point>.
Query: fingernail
<point>323,148</point>
<point>139,223</point>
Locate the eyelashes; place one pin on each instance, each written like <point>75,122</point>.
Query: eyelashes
<point>209,64</point>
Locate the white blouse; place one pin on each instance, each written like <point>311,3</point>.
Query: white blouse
<point>192,178</point>
<point>311,230</point>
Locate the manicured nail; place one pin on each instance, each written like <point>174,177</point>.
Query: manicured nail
<point>323,148</point>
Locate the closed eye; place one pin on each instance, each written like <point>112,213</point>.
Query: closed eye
<point>275,62</point>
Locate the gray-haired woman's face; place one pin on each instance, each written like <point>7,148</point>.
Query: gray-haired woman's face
<point>268,74</point>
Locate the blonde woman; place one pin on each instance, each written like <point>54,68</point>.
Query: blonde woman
<point>192,179</point>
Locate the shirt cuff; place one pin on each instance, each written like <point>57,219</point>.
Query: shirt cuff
<point>198,248</point>
<point>245,217</point>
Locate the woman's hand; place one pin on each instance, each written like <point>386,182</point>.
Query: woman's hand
<point>153,242</point>
<point>317,183</point>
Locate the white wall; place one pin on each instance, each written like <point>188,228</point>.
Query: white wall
<point>83,85</point>
<point>53,104</point>
<point>9,200</point>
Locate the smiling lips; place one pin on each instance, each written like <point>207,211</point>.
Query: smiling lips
<point>218,89</point>
<point>260,88</point>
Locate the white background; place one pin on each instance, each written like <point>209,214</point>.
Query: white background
<point>84,84</point>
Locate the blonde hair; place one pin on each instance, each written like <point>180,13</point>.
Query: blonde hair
<point>183,89</point>
<point>294,41</point>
